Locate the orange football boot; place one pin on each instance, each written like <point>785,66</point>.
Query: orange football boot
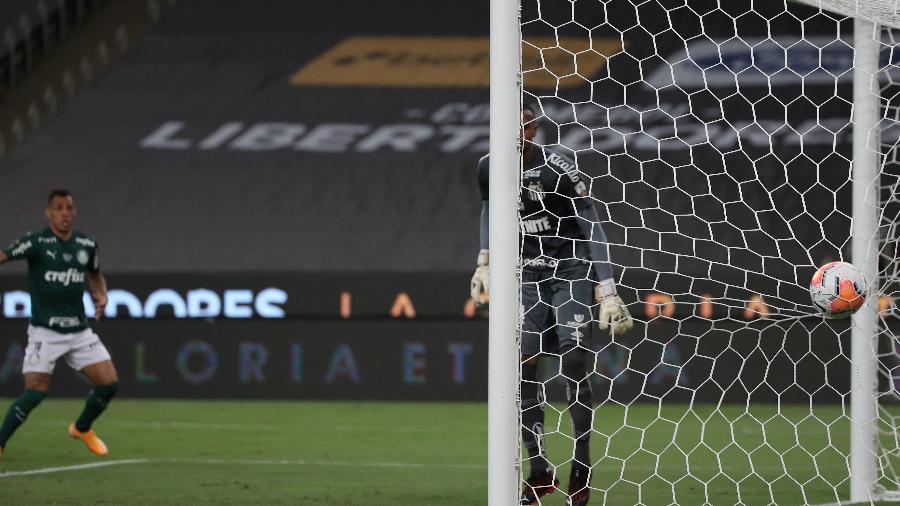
<point>90,438</point>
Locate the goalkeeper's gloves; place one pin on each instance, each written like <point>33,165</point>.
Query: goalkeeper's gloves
<point>481,280</point>
<point>613,314</point>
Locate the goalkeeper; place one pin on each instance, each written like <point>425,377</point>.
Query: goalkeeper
<point>566,272</point>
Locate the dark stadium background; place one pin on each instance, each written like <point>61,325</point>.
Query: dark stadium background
<point>282,221</point>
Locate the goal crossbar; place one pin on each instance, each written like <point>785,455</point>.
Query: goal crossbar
<point>885,13</point>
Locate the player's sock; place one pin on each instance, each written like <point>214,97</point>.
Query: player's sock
<point>18,412</point>
<point>533,419</point>
<point>580,400</point>
<point>96,402</point>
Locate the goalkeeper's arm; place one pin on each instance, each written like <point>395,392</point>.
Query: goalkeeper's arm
<point>613,313</point>
<point>481,279</point>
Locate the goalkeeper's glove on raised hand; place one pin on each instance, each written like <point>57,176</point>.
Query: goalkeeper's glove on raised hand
<point>481,280</point>
<point>613,313</point>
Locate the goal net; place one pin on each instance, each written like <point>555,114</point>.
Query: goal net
<point>730,148</point>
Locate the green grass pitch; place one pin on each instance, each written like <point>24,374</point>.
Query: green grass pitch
<point>341,453</point>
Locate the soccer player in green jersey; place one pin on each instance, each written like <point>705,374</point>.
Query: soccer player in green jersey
<point>60,262</point>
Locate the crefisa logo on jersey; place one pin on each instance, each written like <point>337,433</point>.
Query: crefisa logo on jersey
<point>65,277</point>
<point>21,248</point>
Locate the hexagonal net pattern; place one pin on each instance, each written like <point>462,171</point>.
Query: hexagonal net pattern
<point>695,158</point>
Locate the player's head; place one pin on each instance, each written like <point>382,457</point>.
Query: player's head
<point>529,126</point>
<point>60,211</point>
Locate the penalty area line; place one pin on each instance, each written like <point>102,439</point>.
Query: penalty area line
<point>76,467</point>
<point>328,463</point>
<point>237,462</point>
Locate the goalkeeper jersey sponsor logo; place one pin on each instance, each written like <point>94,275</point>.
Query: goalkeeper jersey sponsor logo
<point>411,62</point>
<point>536,226</point>
<point>561,163</point>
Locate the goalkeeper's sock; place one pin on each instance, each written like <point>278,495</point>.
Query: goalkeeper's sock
<point>580,400</point>
<point>18,412</point>
<point>533,420</point>
<point>96,402</point>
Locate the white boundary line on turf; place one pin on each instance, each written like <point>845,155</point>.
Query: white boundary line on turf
<point>334,463</point>
<point>231,426</point>
<point>286,462</point>
<point>77,467</point>
<point>843,503</point>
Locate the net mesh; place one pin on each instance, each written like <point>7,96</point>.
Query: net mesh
<point>715,140</point>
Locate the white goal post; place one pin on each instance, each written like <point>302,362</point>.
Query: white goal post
<point>868,462</point>
<point>503,360</point>
<point>869,18</point>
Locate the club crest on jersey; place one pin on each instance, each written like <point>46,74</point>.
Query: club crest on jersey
<point>578,323</point>
<point>536,192</point>
<point>82,257</point>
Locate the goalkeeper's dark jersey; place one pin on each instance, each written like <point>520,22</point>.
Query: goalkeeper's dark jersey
<point>56,272</point>
<point>549,230</point>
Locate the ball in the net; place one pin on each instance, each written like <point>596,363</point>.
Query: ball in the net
<point>838,289</point>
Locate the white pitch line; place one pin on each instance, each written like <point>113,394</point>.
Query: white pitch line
<point>77,467</point>
<point>333,463</point>
<point>287,462</point>
<point>176,425</point>
<point>166,425</point>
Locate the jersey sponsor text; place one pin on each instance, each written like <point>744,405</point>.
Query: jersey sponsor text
<point>65,277</point>
<point>536,226</point>
<point>64,322</point>
<point>21,248</point>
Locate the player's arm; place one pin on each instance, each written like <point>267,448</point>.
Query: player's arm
<point>481,279</point>
<point>22,249</point>
<point>613,313</point>
<point>96,284</point>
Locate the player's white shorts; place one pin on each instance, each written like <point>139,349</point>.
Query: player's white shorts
<point>46,346</point>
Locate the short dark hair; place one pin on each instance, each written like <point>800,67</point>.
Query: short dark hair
<point>58,192</point>
<point>529,108</point>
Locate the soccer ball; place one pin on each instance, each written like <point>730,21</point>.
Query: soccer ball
<point>838,289</point>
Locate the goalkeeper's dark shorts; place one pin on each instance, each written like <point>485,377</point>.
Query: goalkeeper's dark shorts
<point>556,306</point>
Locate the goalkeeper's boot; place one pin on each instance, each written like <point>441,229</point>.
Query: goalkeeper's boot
<point>579,486</point>
<point>90,438</point>
<point>538,485</point>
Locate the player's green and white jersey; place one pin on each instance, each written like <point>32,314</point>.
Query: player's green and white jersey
<point>56,272</point>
